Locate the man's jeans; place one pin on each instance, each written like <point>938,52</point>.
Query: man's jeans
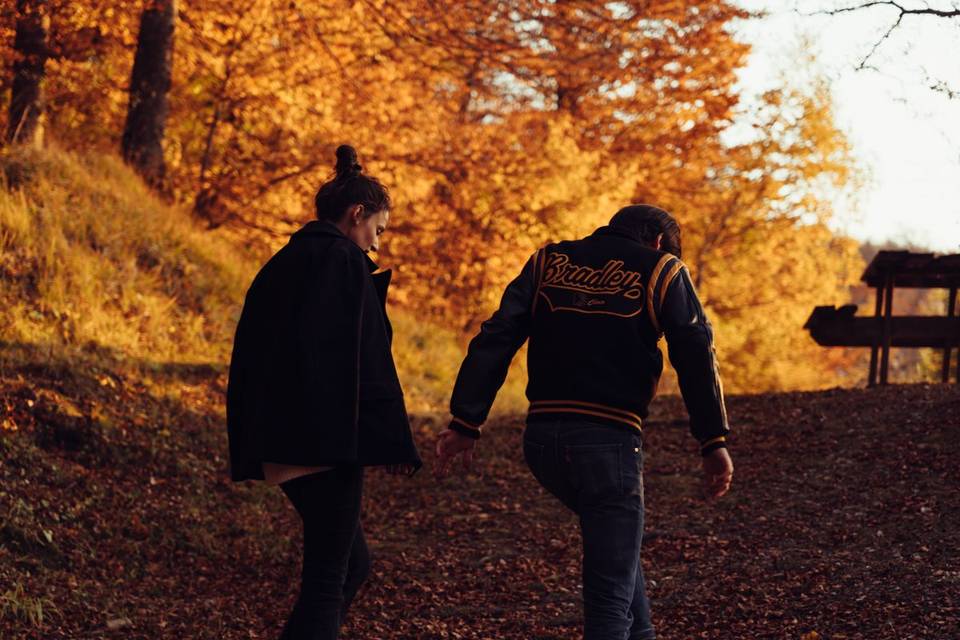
<point>596,471</point>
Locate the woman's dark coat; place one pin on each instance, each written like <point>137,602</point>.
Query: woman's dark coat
<point>312,378</point>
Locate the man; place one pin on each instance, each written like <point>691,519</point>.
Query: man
<point>594,310</point>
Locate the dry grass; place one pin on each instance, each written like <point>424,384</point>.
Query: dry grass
<point>91,259</point>
<point>92,263</point>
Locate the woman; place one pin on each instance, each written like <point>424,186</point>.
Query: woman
<point>313,395</point>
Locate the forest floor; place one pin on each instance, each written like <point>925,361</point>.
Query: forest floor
<point>118,520</point>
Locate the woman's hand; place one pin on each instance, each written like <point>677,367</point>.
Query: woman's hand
<point>451,444</point>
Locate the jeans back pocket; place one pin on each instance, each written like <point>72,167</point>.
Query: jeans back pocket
<point>595,471</point>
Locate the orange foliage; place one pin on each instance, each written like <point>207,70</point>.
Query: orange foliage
<point>499,126</point>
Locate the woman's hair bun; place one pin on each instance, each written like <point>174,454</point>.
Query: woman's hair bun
<point>347,164</point>
<point>350,187</point>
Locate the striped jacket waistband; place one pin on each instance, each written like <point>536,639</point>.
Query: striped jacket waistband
<point>581,408</point>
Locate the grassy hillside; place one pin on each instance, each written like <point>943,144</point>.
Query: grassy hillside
<point>92,262</point>
<point>95,270</point>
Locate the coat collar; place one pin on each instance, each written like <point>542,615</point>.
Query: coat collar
<point>321,228</point>
<point>324,228</point>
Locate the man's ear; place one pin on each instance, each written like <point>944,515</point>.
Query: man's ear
<point>658,242</point>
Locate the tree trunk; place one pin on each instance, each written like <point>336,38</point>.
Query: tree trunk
<point>149,83</point>
<point>30,58</point>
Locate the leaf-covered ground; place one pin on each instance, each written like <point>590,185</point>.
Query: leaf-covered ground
<point>117,520</point>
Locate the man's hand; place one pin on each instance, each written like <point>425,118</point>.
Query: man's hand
<point>451,444</point>
<point>717,473</point>
<point>400,469</point>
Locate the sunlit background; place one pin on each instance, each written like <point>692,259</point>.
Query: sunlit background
<point>892,100</point>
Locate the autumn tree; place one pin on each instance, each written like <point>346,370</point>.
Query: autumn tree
<point>556,111</point>
<point>142,142</point>
<point>30,58</point>
<point>86,57</point>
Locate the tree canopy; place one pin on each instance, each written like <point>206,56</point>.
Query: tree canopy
<point>498,126</point>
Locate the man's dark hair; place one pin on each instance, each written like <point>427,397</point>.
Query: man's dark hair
<point>348,187</point>
<point>645,222</point>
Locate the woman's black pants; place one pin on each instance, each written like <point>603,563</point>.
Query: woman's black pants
<point>335,556</point>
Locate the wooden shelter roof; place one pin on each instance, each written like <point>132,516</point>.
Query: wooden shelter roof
<point>913,270</point>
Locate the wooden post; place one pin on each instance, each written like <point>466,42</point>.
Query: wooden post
<point>951,307</point>
<point>872,377</point>
<point>885,336</point>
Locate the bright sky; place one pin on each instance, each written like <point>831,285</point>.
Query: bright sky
<point>904,134</point>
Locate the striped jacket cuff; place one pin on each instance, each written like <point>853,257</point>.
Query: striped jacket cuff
<point>465,428</point>
<point>711,445</point>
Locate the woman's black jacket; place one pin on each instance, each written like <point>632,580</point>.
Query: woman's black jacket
<point>312,378</point>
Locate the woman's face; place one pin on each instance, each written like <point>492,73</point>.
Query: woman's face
<point>365,231</point>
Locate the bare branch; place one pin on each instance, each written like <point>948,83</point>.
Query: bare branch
<point>942,13</point>
<point>876,45</point>
<point>902,12</point>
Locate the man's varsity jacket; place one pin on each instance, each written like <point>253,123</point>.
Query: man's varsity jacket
<point>594,311</point>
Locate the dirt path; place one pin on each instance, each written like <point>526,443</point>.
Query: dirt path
<point>844,520</point>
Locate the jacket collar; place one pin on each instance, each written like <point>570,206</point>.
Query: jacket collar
<point>324,228</point>
<point>609,230</point>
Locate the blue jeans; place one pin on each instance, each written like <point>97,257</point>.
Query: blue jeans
<point>596,471</point>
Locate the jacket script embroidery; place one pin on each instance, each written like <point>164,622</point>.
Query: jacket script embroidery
<point>610,279</point>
